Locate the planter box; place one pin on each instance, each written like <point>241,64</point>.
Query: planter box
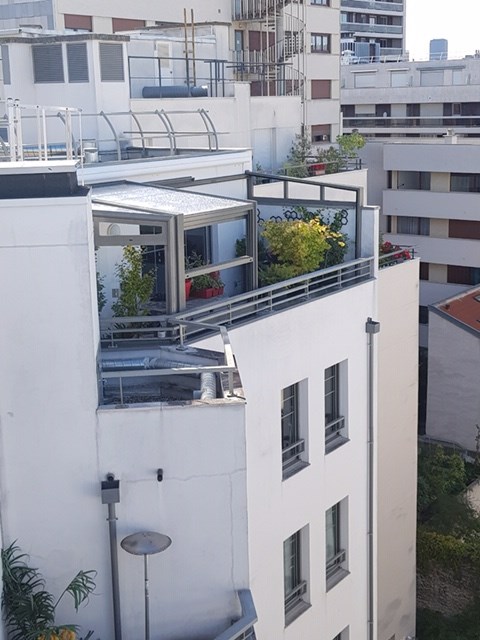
<point>317,169</point>
<point>207,293</point>
<point>188,288</point>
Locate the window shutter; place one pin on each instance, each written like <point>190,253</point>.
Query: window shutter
<point>47,63</point>
<point>111,62</point>
<point>77,61</point>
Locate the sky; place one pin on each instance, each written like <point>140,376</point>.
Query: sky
<point>457,21</point>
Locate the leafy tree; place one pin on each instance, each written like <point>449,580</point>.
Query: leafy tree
<point>136,287</point>
<point>101,297</point>
<point>336,158</point>
<point>301,149</point>
<point>29,610</point>
<point>439,473</point>
<point>298,247</point>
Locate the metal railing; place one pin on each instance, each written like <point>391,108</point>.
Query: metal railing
<point>411,121</point>
<point>242,629</point>
<point>291,454</point>
<point>333,430</point>
<point>39,148</point>
<point>399,254</point>
<point>258,9</point>
<point>386,55</point>
<point>241,308</point>
<point>175,332</point>
<point>370,27</point>
<point>278,297</point>
<point>182,72</point>
<point>335,563</point>
<point>374,4</point>
<point>294,596</point>
<point>118,146</point>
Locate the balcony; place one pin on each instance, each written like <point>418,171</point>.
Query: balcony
<point>381,29</point>
<point>437,122</point>
<point>259,9</point>
<point>386,7</point>
<point>453,205</point>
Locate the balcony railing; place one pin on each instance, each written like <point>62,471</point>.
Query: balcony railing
<point>291,460</point>
<point>351,27</point>
<point>375,5</point>
<point>240,309</point>
<point>411,121</point>
<point>294,596</point>
<point>335,563</point>
<point>399,254</point>
<point>242,629</point>
<point>333,430</point>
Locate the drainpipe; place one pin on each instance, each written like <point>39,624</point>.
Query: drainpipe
<point>371,327</point>
<point>110,497</point>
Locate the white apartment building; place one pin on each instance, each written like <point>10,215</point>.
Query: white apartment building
<point>412,98</point>
<point>453,404</point>
<point>259,440</point>
<point>280,48</point>
<point>429,193</point>
<point>373,30</point>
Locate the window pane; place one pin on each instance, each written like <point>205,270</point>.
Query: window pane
<point>467,182</point>
<point>332,532</point>
<point>291,562</point>
<point>289,416</point>
<point>413,226</point>
<point>331,394</point>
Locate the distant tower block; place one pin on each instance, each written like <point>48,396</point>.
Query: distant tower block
<point>439,49</point>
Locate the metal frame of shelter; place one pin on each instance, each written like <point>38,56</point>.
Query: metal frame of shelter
<point>170,233</point>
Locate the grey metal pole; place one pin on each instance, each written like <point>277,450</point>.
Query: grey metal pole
<point>147,599</point>
<point>371,328</point>
<point>112,527</point>
<point>110,490</point>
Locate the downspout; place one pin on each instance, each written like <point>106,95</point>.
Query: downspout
<point>371,327</point>
<point>111,496</point>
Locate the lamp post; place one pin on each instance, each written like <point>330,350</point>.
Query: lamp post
<point>146,543</point>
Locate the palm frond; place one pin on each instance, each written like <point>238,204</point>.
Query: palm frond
<point>82,585</point>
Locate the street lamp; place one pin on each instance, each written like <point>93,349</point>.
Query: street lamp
<point>146,543</point>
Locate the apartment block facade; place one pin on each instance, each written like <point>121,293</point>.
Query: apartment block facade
<point>373,29</point>
<point>280,48</point>
<point>428,190</point>
<point>412,98</point>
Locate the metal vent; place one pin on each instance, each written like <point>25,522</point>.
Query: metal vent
<point>77,62</point>
<point>4,54</point>
<point>47,63</point>
<point>111,62</point>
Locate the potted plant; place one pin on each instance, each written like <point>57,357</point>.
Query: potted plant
<point>191,262</point>
<point>207,285</point>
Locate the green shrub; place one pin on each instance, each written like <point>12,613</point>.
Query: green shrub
<point>136,287</point>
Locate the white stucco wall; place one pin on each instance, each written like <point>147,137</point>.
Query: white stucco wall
<point>48,391</point>
<point>200,504</point>
<point>397,448</point>
<point>272,354</point>
<point>453,401</point>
